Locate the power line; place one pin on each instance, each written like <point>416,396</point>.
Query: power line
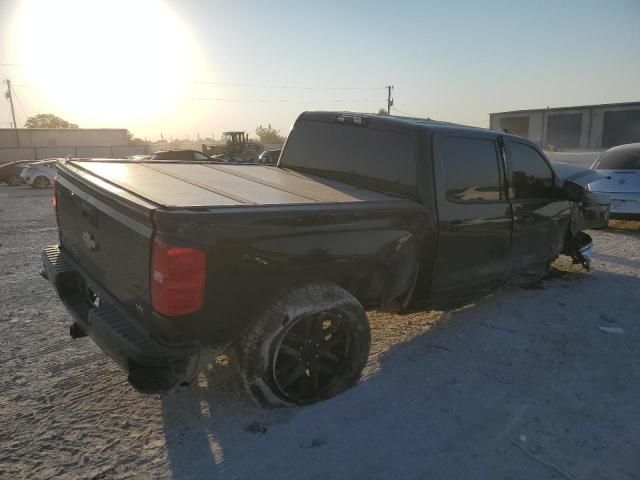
<point>461,122</point>
<point>409,114</point>
<point>281,101</point>
<point>256,86</point>
<point>293,87</point>
<point>250,85</point>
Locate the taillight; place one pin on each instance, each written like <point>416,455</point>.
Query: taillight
<point>177,279</point>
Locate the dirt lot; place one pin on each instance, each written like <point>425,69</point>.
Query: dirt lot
<point>524,384</point>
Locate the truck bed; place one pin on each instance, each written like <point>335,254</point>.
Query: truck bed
<point>254,221</point>
<point>179,184</point>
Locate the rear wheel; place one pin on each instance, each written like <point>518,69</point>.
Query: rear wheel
<point>311,344</point>
<point>41,182</point>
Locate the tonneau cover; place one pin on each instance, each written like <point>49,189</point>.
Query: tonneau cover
<point>181,184</point>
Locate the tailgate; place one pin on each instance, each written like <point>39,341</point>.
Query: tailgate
<point>107,234</point>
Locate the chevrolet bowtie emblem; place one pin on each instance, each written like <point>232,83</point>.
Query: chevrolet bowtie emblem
<point>89,240</point>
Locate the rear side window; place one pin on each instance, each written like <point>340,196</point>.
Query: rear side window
<point>531,176</point>
<point>619,160</point>
<point>471,169</point>
<point>376,159</point>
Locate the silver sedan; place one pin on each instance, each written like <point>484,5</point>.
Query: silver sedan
<point>621,166</point>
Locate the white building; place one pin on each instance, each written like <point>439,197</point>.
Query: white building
<point>586,127</point>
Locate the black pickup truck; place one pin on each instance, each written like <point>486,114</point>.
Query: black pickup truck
<point>164,263</point>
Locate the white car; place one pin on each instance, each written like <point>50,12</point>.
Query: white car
<point>621,166</point>
<point>40,174</point>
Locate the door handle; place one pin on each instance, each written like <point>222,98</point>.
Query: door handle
<point>453,226</point>
<point>526,217</point>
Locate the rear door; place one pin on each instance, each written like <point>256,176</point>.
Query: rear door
<point>474,217</point>
<point>541,217</point>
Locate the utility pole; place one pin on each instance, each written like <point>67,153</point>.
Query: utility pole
<point>13,113</point>
<point>389,99</point>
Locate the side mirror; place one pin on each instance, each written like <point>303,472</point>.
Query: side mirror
<point>572,191</point>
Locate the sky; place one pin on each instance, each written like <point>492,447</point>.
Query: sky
<point>195,68</point>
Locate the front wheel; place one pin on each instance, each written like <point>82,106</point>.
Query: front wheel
<point>310,344</point>
<point>41,182</point>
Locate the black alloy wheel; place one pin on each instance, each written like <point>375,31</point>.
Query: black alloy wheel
<point>309,344</point>
<point>310,356</point>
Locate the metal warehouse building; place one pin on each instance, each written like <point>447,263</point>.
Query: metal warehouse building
<point>586,127</point>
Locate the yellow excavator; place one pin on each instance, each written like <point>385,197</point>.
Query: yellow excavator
<point>237,147</point>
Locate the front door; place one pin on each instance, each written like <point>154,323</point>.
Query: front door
<point>474,217</point>
<point>541,217</point>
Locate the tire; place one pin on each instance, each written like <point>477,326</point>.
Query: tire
<point>310,344</point>
<point>41,182</point>
<point>14,181</point>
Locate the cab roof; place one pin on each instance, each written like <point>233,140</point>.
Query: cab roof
<point>393,122</point>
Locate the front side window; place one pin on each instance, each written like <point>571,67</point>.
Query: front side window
<point>530,175</point>
<point>471,169</point>
<point>200,156</point>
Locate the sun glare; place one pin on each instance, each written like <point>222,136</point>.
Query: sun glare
<point>105,61</point>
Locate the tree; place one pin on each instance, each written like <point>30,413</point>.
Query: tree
<point>382,111</point>
<point>269,134</point>
<point>48,120</point>
<point>134,140</point>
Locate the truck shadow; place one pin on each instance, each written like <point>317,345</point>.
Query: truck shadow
<point>444,395</point>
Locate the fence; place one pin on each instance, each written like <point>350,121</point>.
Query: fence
<point>39,153</point>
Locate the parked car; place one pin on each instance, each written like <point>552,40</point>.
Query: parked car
<point>362,212</point>
<point>621,167</point>
<point>185,155</point>
<point>40,174</point>
<point>10,172</point>
<point>269,157</point>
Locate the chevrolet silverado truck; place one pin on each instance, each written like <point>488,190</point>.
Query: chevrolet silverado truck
<point>163,263</point>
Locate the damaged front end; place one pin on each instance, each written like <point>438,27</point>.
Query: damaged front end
<point>579,247</point>
<point>588,210</point>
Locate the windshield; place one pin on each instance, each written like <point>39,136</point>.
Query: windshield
<point>626,159</point>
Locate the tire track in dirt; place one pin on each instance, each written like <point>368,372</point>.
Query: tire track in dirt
<point>78,362</point>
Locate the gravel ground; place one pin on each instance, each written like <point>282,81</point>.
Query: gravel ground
<point>524,384</point>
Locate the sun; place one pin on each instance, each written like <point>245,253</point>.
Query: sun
<point>105,61</point>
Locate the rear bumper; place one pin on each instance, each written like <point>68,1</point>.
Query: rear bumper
<point>625,205</point>
<point>151,366</point>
